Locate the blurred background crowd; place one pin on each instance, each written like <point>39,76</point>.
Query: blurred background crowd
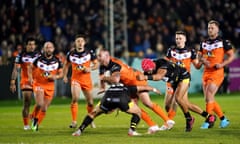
<point>151,24</point>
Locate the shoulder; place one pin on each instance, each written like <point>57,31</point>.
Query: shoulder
<point>93,54</point>
<point>57,60</point>
<point>171,48</point>
<point>115,63</point>
<point>192,50</point>
<point>160,60</point>
<point>169,51</point>
<point>227,44</point>
<point>40,57</point>
<point>36,54</point>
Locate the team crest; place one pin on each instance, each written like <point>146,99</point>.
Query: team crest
<point>46,74</point>
<point>80,67</point>
<point>209,53</point>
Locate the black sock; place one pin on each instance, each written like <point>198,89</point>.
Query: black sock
<point>134,121</point>
<point>187,115</point>
<point>222,118</point>
<point>205,114</point>
<point>87,120</point>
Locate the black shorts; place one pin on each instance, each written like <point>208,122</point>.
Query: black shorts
<point>115,97</point>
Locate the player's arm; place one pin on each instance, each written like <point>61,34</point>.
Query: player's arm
<point>202,61</point>
<point>13,78</point>
<point>158,76</point>
<point>65,71</point>
<point>59,75</point>
<point>94,64</point>
<point>201,58</point>
<point>102,84</point>
<point>113,78</point>
<point>229,58</point>
<point>197,64</point>
<point>195,59</point>
<point>168,54</point>
<point>148,88</point>
<point>154,77</point>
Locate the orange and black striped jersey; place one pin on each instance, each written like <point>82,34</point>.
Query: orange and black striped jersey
<point>182,56</point>
<point>213,51</point>
<point>127,73</point>
<point>23,60</point>
<point>43,67</point>
<point>79,60</point>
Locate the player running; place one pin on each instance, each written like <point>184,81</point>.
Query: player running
<point>82,62</point>
<point>42,73</point>
<point>216,53</point>
<point>26,57</point>
<point>182,56</point>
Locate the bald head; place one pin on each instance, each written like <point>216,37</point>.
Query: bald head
<point>48,49</point>
<point>103,57</point>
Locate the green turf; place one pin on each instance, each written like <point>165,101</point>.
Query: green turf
<point>112,129</point>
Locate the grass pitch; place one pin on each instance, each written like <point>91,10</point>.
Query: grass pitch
<point>112,128</point>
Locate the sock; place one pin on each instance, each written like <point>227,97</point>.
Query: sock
<point>25,120</point>
<point>160,112</point>
<point>171,113</point>
<point>147,118</point>
<point>204,114</point>
<point>187,115</point>
<point>222,118</point>
<point>90,108</point>
<point>41,116</point>
<point>217,109</point>
<point>134,122</point>
<point>210,107</point>
<point>87,120</point>
<point>74,111</point>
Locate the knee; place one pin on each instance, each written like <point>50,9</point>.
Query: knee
<point>38,106</point>
<point>26,104</point>
<point>44,108</point>
<point>178,100</point>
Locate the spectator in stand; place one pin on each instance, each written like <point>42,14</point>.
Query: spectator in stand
<point>152,16</point>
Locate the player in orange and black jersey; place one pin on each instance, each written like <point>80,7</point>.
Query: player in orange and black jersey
<point>128,76</point>
<point>82,62</point>
<point>215,54</point>
<point>26,57</point>
<point>179,79</point>
<point>182,56</point>
<point>43,72</point>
